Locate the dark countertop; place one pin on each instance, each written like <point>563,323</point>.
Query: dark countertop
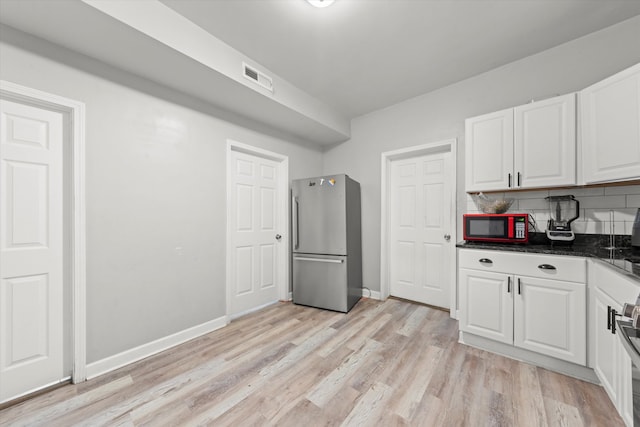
<point>624,257</point>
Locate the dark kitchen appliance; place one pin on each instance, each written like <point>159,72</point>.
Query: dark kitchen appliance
<point>563,211</point>
<point>630,337</point>
<point>327,249</point>
<point>635,232</point>
<point>502,228</point>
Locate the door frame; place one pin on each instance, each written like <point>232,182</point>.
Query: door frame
<point>282,209</point>
<point>444,146</point>
<point>74,211</point>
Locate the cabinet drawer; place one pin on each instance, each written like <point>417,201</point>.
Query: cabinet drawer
<point>495,261</point>
<point>570,269</point>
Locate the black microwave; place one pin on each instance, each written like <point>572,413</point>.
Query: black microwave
<point>502,228</point>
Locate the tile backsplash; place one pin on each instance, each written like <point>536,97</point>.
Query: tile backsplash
<point>596,207</point>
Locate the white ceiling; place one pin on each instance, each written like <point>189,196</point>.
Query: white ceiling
<point>351,58</point>
<point>362,55</point>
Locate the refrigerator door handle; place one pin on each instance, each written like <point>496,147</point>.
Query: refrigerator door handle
<point>332,261</point>
<point>296,230</point>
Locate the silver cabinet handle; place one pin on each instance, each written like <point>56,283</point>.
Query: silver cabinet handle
<point>485,261</point>
<point>546,267</point>
<point>278,237</point>
<point>332,261</point>
<point>447,237</point>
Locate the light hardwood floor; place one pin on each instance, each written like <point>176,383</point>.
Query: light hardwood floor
<point>387,363</point>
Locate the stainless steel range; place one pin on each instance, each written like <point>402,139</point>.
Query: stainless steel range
<point>630,337</point>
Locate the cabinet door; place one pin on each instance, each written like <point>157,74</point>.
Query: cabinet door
<point>489,151</point>
<point>605,344</point>
<point>610,124</point>
<point>486,304</point>
<point>550,318</point>
<point>545,143</point>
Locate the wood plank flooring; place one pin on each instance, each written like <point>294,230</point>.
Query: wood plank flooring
<point>389,363</point>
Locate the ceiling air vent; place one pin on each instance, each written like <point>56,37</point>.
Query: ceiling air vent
<point>258,77</point>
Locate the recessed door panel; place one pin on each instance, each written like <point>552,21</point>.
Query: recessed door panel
<point>27,213</point>
<point>267,265</point>
<point>244,270</point>
<point>24,311</point>
<point>27,131</point>
<point>405,267</point>
<point>244,207</point>
<point>406,207</point>
<point>244,167</point>
<point>433,267</point>
<point>268,209</point>
<point>433,196</point>
<point>268,172</point>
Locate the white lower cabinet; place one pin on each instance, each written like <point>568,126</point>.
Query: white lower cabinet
<point>609,359</point>
<point>487,304</point>
<point>606,344</point>
<point>536,312</point>
<point>549,318</point>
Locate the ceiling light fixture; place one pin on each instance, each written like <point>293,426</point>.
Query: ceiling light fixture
<point>321,3</point>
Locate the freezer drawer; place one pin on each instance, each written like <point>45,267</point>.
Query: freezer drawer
<point>322,282</point>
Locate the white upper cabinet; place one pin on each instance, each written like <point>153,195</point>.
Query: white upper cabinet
<point>610,125</point>
<point>530,146</point>
<point>545,143</point>
<point>489,151</point>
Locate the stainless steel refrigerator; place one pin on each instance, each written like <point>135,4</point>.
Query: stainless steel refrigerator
<point>327,242</point>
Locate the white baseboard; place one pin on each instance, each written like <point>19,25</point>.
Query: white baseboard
<point>368,293</point>
<point>133,355</point>
<point>251,310</point>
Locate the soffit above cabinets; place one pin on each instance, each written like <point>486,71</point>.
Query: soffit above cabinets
<point>151,40</point>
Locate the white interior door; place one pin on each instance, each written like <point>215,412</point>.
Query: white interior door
<point>31,249</point>
<point>420,220</point>
<point>254,224</point>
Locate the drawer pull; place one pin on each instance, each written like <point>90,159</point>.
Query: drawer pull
<point>508,284</point>
<point>486,261</point>
<point>546,267</point>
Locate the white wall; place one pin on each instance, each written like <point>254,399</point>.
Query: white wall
<point>440,115</point>
<point>156,195</point>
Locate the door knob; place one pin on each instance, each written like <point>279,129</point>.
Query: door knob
<point>447,237</point>
<point>278,237</point>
